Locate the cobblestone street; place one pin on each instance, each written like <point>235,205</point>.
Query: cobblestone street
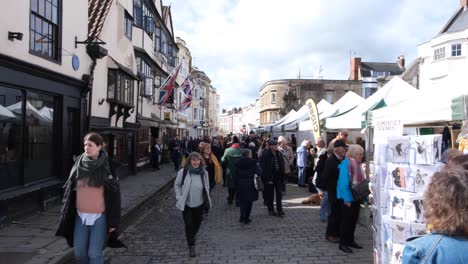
<point>158,235</point>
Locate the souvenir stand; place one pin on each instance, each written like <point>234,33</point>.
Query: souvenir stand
<point>404,162</point>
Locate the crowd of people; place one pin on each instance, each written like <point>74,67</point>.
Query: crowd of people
<point>91,204</point>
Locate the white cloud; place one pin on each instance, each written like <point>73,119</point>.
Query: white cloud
<point>241,44</point>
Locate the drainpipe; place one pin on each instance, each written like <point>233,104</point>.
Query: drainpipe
<point>89,91</point>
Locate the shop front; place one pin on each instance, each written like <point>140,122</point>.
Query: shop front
<point>40,128</point>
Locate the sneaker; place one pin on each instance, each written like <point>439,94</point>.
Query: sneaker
<point>281,213</point>
<point>272,212</point>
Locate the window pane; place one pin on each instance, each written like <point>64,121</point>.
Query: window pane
<point>54,15</point>
<point>11,142</point>
<point>39,152</point>
<point>33,5</point>
<point>110,84</point>
<point>48,10</point>
<point>38,25</point>
<point>41,7</point>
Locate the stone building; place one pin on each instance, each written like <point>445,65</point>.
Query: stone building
<point>278,97</point>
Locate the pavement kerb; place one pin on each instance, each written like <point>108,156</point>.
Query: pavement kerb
<point>68,256</point>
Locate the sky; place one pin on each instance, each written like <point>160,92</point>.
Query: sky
<point>242,44</point>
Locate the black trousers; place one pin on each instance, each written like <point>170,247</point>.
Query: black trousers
<point>245,209</point>
<point>348,223</point>
<point>232,194</point>
<point>192,219</point>
<point>269,195</point>
<point>155,162</point>
<point>335,217</point>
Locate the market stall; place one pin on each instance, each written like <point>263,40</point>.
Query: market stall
<point>404,162</point>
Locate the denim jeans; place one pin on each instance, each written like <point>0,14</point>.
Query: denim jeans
<point>301,175</point>
<point>88,241</point>
<point>324,207</point>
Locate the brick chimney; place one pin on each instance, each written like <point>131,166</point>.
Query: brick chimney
<point>464,3</point>
<point>354,69</point>
<point>401,60</point>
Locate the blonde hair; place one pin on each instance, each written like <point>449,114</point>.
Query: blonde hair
<point>354,150</point>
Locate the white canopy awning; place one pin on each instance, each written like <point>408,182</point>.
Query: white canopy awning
<point>395,91</point>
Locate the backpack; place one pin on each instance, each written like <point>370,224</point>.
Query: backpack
<point>321,180</point>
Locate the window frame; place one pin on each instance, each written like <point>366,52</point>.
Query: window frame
<point>439,53</point>
<point>54,28</point>
<point>128,25</point>
<point>273,97</point>
<point>124,87</point>
<point>457,49</point>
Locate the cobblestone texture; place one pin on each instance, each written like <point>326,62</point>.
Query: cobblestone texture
<point>158,235</point>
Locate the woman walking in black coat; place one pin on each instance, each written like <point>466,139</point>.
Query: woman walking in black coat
<point>246,192</point>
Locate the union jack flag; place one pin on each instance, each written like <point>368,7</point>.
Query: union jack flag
<point>168,86</point>
<point>187,89</point>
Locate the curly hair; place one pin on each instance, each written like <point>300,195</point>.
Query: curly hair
<point>354,150</point>
<point>446,201</point>
<point>194,155</point>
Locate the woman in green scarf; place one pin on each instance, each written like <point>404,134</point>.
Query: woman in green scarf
<point>91,202</point>
<point>192,188</point>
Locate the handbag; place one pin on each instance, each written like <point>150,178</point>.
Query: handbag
<point>258,183</point>
<point>360,190</point>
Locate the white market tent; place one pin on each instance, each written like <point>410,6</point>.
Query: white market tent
<point>427,107</point>
<point>346,103</point>
<point>281,121</point>
<point>47,112</point>
<point>395,91</point>
<point>323,106</point>
<point>304,110</point>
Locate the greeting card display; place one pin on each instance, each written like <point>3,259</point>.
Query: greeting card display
<point>403,171</point>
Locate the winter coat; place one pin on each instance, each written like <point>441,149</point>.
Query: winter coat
<point>267,167</point>
<point>330,174</point>
<point>182,188</point>
<point>343,189</point>
<point>302,154</point>
<point>112,202</point>
<point>246,168</point>
<point>230,158</point>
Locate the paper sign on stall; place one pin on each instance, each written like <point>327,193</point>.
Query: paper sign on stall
<point>386,129</point>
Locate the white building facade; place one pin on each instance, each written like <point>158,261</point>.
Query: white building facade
<point>444,59</point>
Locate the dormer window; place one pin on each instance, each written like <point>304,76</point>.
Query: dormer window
<point>456,50</point>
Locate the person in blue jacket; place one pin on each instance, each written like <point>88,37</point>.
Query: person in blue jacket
<point>350,175</point>
<point>446,215</point>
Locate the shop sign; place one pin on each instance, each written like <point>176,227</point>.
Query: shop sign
<point>167,116</point>
<point>386,129</point>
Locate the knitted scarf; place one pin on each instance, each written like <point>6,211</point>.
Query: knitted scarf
<point>94,171</point>
<point>198,170</point>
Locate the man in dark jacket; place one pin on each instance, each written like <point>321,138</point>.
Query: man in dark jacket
<point>331,172</point>
<point>272,169</point>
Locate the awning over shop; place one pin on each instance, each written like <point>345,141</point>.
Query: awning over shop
<point>113,64</point>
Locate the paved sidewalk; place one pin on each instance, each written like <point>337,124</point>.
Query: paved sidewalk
<point>32,240</point>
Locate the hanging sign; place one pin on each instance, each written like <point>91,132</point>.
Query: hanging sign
<point>386,129</point>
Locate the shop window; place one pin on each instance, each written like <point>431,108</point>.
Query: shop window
<point>44,28</point>
<point>26,158</point>
<point>11,143</point>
